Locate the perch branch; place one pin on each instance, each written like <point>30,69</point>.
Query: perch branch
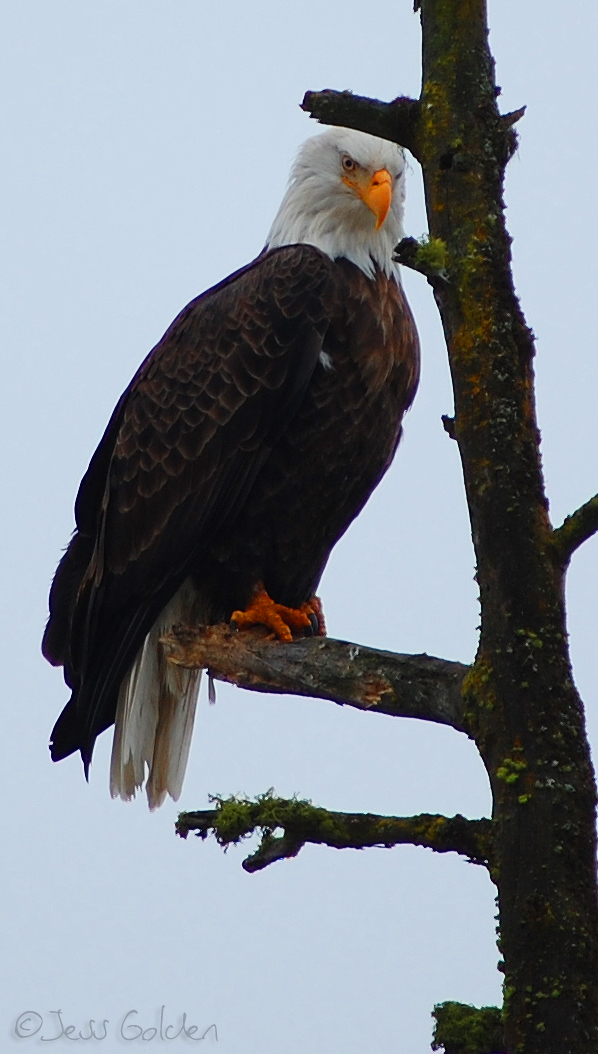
<point>397,120</point>
<point>236,818</point>
<point>576,529</point>
<point>418,686</point>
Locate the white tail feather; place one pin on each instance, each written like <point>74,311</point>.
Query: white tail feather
<point>155,714</point>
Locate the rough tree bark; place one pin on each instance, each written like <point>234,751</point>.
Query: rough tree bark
<point>517,701</point>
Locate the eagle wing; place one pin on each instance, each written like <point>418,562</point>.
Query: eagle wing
<point>176,462</point>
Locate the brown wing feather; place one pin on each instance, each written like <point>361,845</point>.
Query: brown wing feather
<point>340,443</point>
<point>176,461</point>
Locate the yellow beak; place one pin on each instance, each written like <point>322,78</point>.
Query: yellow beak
<point>377,194</point>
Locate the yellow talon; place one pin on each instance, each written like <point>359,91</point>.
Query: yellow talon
<point>281,620</point>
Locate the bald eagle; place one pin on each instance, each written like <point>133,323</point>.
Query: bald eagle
<point>247,442</point>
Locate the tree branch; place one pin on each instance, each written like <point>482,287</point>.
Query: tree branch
<point>397,120</point>
<point>418,686</point>
<point>427,257</point>
<point>236,818</point>
<point>576,529</point>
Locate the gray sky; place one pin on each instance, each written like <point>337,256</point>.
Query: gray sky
<point>147,146</point>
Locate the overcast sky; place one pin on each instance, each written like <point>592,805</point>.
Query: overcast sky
<point>147,146</point>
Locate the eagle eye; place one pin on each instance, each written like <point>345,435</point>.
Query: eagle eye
<point>348,163</point>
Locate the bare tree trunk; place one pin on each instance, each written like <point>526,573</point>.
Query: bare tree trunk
<point>521,697</point>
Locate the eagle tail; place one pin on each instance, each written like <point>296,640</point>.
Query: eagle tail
<point>155,713</point>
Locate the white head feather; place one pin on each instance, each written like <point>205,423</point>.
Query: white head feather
<point>320,209</point>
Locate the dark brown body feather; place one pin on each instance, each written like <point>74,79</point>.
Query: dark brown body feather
<point>237,455</point>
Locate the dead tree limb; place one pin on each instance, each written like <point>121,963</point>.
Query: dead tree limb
<point>380,681</point>
<point>397,120</point>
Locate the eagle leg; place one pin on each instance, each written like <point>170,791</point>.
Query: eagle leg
<point>282,620</point>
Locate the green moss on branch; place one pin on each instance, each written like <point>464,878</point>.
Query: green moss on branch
<point>426,255</point>
<point>235,818</point>
<point>462,1029</point>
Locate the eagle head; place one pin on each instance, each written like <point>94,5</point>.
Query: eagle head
<point>345,196</point>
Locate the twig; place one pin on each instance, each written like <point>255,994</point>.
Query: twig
<point>509,119</point>
<point>576,529</point>
<point>448,423</point>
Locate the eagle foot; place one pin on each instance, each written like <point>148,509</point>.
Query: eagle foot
<point>280,619</point>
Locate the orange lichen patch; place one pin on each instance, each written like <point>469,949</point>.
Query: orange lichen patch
<point>374,687</point>
<point>281,620</point>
